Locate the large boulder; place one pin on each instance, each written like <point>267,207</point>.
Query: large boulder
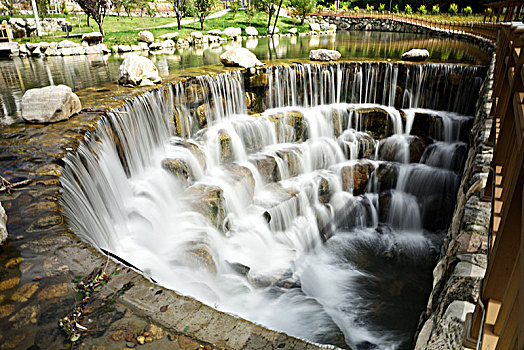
<point>92,38</point>
<point>293,31</point>
<point>3,222</point>
<point>215,32</point>
<point>232,32</point>
<point>314,27</point>
<point>273,30</point>
<point>138,70</point>
<point>415,55</point>
<point>324,55</point>
<point>240,57</point>
<point>146,36</point>
<point>169,36</point>
<point>251,31</point>
<point>50,104</point>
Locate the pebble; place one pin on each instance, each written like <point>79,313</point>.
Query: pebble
<point>141,339</point>
<point>130,345</point>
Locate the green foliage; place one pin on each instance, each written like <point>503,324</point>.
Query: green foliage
<point>320,8</point>
<point>369,8</point>
<point>356,9</point>
<point>396,9</point>
<point>203,8</point>
<point>345,8</point>
<point>303,7</point>
<point>435,9</point>
<point>422,9</point>
<point>453,9</point>
<point>408,10</point>
<point>64,9</point>
<point>490,11</point>
<point>235,5</point>
<point>250,13</point>
<point>382,7</point>
<point>468,10</point>
<point>332,7</point>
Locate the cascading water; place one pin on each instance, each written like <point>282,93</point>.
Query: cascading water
<point>316,217</point>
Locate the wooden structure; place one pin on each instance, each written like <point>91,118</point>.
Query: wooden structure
<point>498,319</point>
<point>5,32</point>
<point>511,10</point>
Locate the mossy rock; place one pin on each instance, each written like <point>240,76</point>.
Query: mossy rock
<point>267,167</point>
<point>355,177</point>
<point>179,168</point>
<point>376,122</point>
<point>241,174</point>
<point>226,148</point>
<point>192,147</point>
<point>209,201</point>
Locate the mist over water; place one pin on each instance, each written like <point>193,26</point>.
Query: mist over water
<point>257,216</point>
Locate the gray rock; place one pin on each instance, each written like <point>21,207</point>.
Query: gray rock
<point>136,68</point>
<point>3,223</point>
<point>251,31</point>
<point>293,31</point>
<point>93,38</point>
<point>232,32</point>
<point>324,55</point>
<point>273,30</point>
<point>449,331</point>
<point>50,104</point>
<point>169,36</point>
<point>124,48</point>
<point>51,52</point>
<point>415,55</point>
<point>240,57</point>
<point>315,27</point>
<point>324,26</point>
<point>146,36</point>
<point>67,44</point>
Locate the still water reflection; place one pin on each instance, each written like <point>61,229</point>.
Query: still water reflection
<point>79,72</point>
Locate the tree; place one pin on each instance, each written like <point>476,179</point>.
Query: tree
<point>250,12</point>
<point>203,8</point>
<point>97,9</point>
<point>179,6</point>
<point>235,6</point>
<point>304,7</point>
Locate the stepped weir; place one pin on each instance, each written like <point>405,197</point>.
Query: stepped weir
<point>311,199</point>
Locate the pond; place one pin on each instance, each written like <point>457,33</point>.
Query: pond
<point>79,72</point>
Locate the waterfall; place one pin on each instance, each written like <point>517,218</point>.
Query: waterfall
<point>319,217</point>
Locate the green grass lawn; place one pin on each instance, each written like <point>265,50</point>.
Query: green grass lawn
<point>124,30</point>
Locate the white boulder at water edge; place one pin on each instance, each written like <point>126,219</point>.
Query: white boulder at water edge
<point>324,55</point>
<point>415,55</point>
<point>240,57</point>
<point>138,70</point>
<point>50,104</point>
<point>3,222</point>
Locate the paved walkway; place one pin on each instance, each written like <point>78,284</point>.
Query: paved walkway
<point>192,20</point>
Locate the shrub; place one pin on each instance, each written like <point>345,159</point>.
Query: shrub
<point>422,9</point>
<point>356,9</point>
<point>453,9</point>
<point>332,7</point>
<point>250,12</point>
<point>490,11</point>
<point>468,10</point>
<point>396,9</point>
<point>345,8</point>
<point>382,7</point>
<point>369,8</point>
<point>435,9</point>
<point>320,8</point>
<point>235,5</point>
<point>408,10</point>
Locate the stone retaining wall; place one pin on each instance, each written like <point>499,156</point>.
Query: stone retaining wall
<point>387,25</point>
<point>457,278</point>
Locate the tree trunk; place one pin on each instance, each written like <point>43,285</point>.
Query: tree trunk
<point>88,21</point>
<point>178,19</point>
<point>99,22</point>
<point>270,15</point>
<point>202,19</point>
<point>276,19</point>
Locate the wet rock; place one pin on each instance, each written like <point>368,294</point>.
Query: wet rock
<point>209,201</point>
<point>376,122</point>
<point>415,55</point>
<point>192,147</point>
<point>386,176</point>
<point>137,70</point>
<point>25,316</point>
<point>449,332</point>
<point>226,148</point>
<point>9,283</point>
<point>25,292</point>
<point>427,125</point>
<point>215,32</point>
<point>290,126</point>
<point>324,55</point>
<point>402,148</point>
<point>49,104</point>
<point>258,80</point>
<point>198,256</point>
<point>179,168</point>
<point>3,223</point>
<point>355,177</point>
<point>268,169</point>
<point>240,57</point>
<point>55,291</point>
<point>12,342</point>
<point>146,36</point>
<point>156,332</point>
<point>202,112</point>
<point>241,174</point>
<point>314,27</point>
<point>324,191</point>
<point>291,157</point>
<point>141,339</point>
<point>384,205</point>
<point>6,310</point>
<point>239,268</point>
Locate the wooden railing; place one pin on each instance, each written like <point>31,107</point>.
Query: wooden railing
<point>482,29</point>
<point>496,317</point>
